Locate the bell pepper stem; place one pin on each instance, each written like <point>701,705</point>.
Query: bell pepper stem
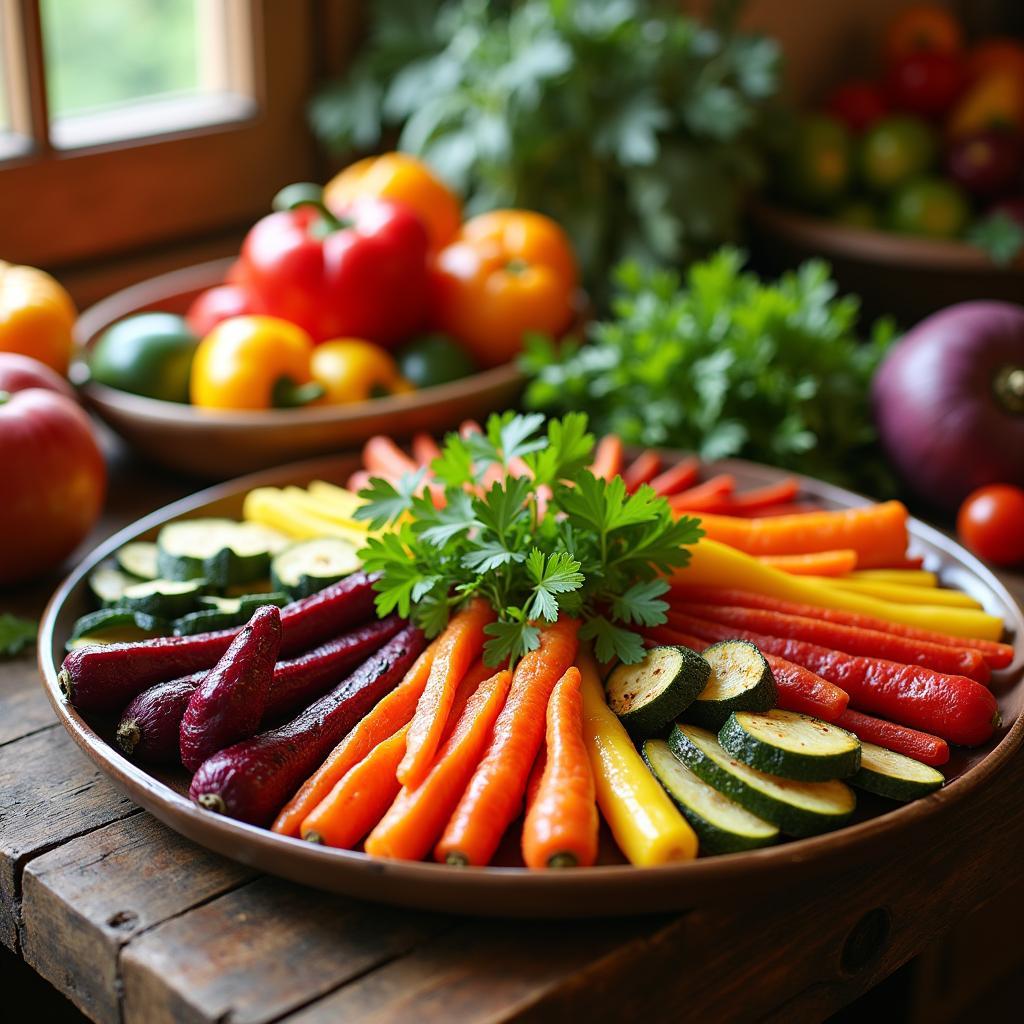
<point>293,197</point>
<point>289,395</point>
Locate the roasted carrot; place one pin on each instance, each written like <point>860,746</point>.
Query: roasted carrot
<point>607,457</point>
<point>706,495</point>
<point>494,796</point>
<point>781,493</point>
<point>382,457</point>
<point>412,823</point>
<point>424,449</point>
<point>678,477</point>
<point>798,688</point>
<point>362,796</point>
<point>560,830</point>
<point>642,470</point>
<point>919,745</point>
<point>817,563</point>
<point>951,706</point>
<point>359,799</point>
<point>996,654</point>
<point>457,648</point>
<point>391,713</point>
<point>878,533</point>
<point>871,643</point>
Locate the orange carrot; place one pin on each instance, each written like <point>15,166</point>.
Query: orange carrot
<point>878,533</point>
<point>779,493</point>
<point>361,797</point>
<point>424,449</point>
<point>494,796</point>
<point>359,481</point>
<point>382,457</point>
<point>642,470</point>
<point>414,820</point>
<point>389,715</point>
<point>457,648</point>
<point>817,563</point>
<point>789,508</point>
<point>536,774</point>
<point>560,830</point>
<point>709,493</point>
<point>607,457</point>
<point>678,477</point>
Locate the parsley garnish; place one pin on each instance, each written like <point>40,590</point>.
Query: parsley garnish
<point>541,536</point>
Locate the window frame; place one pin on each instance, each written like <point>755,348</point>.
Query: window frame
<point>63,207</point>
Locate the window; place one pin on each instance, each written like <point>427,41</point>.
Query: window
<point>129,123</point>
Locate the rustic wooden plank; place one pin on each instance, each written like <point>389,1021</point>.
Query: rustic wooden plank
<point>24,708</point>
<point>259,952</point>
<point>52,793</point>
<point>83,901</point>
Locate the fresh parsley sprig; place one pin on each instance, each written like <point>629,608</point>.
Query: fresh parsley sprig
<point>525,525</point>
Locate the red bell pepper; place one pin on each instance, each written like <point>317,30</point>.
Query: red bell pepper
<point>360,274</point>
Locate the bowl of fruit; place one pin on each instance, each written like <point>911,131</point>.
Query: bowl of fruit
<point>911,181</point>
<point>363,307</point>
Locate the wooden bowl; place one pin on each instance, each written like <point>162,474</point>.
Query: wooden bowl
<point>611,887</point>
<point>218,444</point>
<point>899,275</point>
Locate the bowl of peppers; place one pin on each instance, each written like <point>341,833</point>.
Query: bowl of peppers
<point>365,306</point>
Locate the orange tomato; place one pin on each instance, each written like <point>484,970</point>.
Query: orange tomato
<point>995,54</point>
<point>922,27</point>
<point>37,316</point>
<point>402,179</point>
<point>354,370</point>
<point>508,272</point>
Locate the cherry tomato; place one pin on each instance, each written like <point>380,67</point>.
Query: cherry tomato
<point>921,28</point>
<point>924,83</point>
<point>991,523</point>
<point>858,104</point>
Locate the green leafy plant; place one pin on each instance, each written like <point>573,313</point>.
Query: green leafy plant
<point>15,634</point>
<point>552,539</point>
<point>727,365</point>
<point>630,123</point>
<point>1000,236</point>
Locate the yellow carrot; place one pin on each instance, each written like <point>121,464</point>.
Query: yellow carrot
<point>908,577</point>
<point>645,823</point>
<point>269,506</point>
<point>901,594</point>
<point>717,565</point>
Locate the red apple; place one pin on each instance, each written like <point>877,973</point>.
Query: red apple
<point>54,476</point>
<point>18,373</point>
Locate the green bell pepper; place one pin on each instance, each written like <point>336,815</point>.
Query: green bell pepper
<point>433,359</point>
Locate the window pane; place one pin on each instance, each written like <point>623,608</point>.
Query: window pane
<point>106,54</point>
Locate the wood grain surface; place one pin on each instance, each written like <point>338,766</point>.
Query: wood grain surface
<point>134,923</point>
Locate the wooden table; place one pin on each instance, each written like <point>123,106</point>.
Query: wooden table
<point>134,923</point>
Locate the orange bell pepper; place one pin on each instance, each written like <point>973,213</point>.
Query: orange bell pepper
<point>400,178</point>
<point>994,101</point>
<point>37,316</point>
<point>253,362</point>
<point>353,370</point>
<point>507,273</point>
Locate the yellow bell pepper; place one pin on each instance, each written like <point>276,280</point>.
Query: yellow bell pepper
<point>902,594</point>
<point>713,564</point>
<point>906,577</point>
<point>352,370</point>
<point>253,362</point>
<point>645,823</point>
<point>37,317</point>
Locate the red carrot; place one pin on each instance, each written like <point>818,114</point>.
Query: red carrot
<point>783,492</point>
<point>642,470</point>
<point>798,688</point>
<point>851,639</point>
<point>996,654</point>
<point>706,495</point>
<point>954,707</point>
<point>678,477</point>
<point>919,745</point>
<point>607,457</point>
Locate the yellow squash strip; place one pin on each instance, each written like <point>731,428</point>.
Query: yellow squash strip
<point>317,507</point>
<point>716,565</point>
<point>644,821</point>
<point>907,577</point>
<point>343,501</point>
<point>267,505</point>
<point>899,594</point>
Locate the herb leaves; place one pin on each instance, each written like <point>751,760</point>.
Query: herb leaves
<point>514,515</point>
